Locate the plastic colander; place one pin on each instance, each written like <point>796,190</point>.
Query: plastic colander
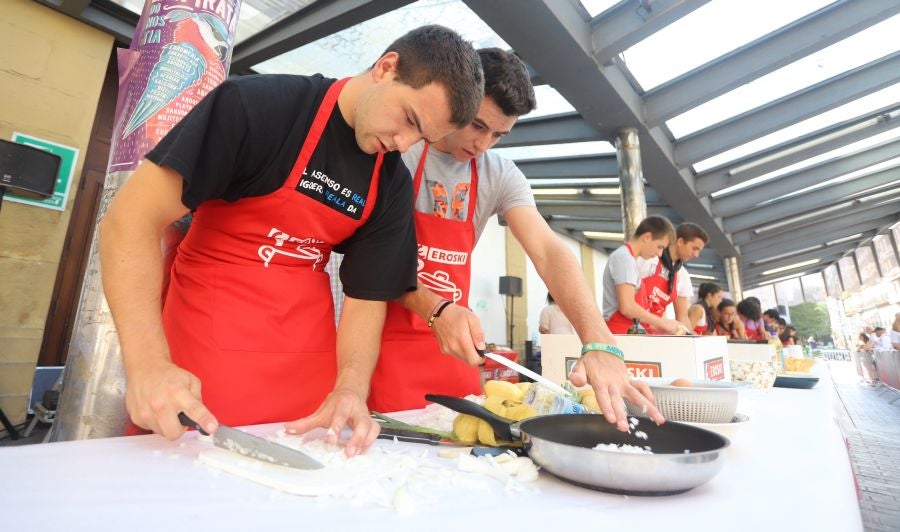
<point>705,402</point>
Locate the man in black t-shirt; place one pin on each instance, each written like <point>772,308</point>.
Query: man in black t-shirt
<point>279,171</point>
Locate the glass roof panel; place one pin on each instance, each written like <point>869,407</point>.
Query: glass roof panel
<point>254,16</point>
<point>549,102</point>
<point>522,153</point>
<point>257,15</point>
<point>867,104</point>
<point>709,32</point>
<point>855,51</point>
<point>806,163</point>
<point>595,7</point>
<point>355,49</point>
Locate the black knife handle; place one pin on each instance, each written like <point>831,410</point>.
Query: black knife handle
<point>190,423</point>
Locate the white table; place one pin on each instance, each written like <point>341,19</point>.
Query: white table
<point>787,469</point>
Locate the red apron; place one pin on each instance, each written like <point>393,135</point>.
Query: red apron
<point>249,310</point>
<point>411,364</point>
<point>653,296</point>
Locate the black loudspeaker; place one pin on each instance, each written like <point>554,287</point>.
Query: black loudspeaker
<point>511,286</point>
<point>28,171</point>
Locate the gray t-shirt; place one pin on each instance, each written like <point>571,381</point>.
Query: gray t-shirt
<point>446,182</point>
<point>621,268</point>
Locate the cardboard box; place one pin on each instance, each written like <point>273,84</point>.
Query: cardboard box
<point>748,351</point>
<point>493,370</point>
<point>689,357</point>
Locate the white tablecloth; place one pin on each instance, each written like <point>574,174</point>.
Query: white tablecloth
<point>787,469</point>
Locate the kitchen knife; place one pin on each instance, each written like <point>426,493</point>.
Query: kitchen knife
<point>543,381</point>
<point>408,436</point>
<point>246,444</point>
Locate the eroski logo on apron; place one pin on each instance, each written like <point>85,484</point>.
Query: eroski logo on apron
<point>304,250</point>
<point>439,280</point>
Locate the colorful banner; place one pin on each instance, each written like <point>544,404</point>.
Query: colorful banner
<point>181,51</point>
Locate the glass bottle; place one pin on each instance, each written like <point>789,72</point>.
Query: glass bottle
<point>636,327</point>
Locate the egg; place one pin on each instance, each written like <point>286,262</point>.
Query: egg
<point>683,383</point>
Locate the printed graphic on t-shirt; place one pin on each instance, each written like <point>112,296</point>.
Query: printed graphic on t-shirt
<point>319,186</point>
<point>439,197</point>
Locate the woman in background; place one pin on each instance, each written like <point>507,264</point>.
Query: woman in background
<point>709,295</point>
<point>750,312</point>
<point>727,322</point>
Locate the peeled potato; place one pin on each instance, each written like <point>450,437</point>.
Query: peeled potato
<point>486,433</point>
<point>503,389</point>
<point>494,404</point>
<point>466,428</point>
<point>520,412</point>
<point>684,383</point>
<point>590,402</point>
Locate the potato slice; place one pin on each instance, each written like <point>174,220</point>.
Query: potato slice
<point>466,428</point>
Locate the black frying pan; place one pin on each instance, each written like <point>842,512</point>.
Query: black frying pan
<point>563,444</point>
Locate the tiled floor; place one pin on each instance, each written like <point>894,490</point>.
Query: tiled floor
<point>871,427</point>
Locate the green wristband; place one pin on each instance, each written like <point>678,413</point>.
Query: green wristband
<point>607,348</point>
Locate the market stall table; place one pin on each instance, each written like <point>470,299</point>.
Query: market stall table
<point>788,469</point>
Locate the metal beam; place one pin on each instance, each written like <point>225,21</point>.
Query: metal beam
<point>602,95</point>
<point>750,197</point>
<point>652,196</point>
<point>818,234</point>
<point>812,200</point>
<point>609,227</point>
<point>800,149</point>
<point>575,167</point>
<point>788,110</point>
<point>554,129</point>
<point>787,254</point>
<point>317,20</point>
<point>851,215</point>
<point>631,21</point>
<point>582,216</point>
<point>73,8</point>
<point>827,253</point>
<point>764,55</point>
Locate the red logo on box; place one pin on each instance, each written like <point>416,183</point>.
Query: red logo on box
<point>715,369</point>
<point>644,369</point>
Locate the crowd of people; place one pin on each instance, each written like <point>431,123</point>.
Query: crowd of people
<point>879,338</point>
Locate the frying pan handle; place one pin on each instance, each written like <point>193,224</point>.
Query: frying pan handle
<point>502,426</point>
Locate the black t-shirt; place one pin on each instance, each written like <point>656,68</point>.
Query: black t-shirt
<point>242,140</point>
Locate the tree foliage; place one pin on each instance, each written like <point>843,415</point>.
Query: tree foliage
<point>811,319</point>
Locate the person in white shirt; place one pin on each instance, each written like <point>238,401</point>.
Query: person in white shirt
<point>895,333</point>
<point>882,340</point>
<point>552,319</point>
<point>690,239</point>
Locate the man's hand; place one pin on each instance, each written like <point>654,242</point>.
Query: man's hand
<point>342,407</point>
<point>158,391</point>
<point>608,376</point>
<point>458,333</point>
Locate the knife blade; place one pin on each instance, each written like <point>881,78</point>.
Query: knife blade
<point>543,381</point>
<point>408,436</point>
<point>251,446</point>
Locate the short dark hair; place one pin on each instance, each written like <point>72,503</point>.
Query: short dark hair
<point>772,313</point>
<point>658,226</point>
<point>724,304</point>
<point>781,321</point>
<point>688,231</point>
<point>706,289</point>
<point>750,308</point>
<point>507,82</point>
<point>435,54</point>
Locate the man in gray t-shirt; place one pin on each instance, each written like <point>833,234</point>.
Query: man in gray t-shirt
<point>452,167</point>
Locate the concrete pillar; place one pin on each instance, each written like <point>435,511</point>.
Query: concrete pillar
<point>180,51</point>
<point>733,275</point>
<point>631,178</point>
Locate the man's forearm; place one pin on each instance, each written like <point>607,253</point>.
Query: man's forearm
<point>420,301</point>
<point>131,265</point>
<point>359,343</point>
